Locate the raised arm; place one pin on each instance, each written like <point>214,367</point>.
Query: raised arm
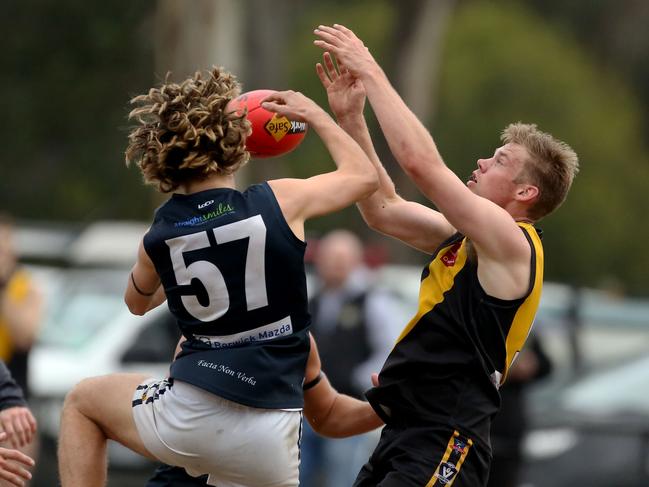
<point>384,211</point>
<point>500,244</point>
<point>330,413</point>
<point>354,178</point>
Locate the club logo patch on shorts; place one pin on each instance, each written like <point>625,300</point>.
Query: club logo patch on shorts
<point>446,473</point>
<point>454,456</point>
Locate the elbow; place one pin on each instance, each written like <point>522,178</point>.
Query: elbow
<point>372,220</point>
<point>318,427</point>
<point>416,163</point>
<point>376,214</point>
<point>412,166</point>
<point>368,185</point>
<point>327,429</point>
<point>138,309</point>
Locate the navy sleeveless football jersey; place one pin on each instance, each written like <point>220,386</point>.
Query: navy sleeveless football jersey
<point>233,273</point>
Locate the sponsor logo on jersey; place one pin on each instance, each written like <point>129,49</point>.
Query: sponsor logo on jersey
<point>218,211</point>
<point>280,328</point>
<point>205,204</point>
<point>450,256</point>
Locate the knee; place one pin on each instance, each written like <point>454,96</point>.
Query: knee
<point>78,398</point>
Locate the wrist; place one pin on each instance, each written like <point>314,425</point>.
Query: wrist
<point>319,119</point>
<point>351,120</point>
<point>374,79</point>
<point>372,71</point>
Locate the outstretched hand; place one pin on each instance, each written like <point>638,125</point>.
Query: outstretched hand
<point>345,93</point>
<point>347,47</point>
<point>10,470</point>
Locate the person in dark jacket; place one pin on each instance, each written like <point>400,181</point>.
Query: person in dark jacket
<point>18,427</point>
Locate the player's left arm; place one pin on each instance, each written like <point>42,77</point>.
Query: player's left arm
<point>143,290</point>
<point>330,413</point>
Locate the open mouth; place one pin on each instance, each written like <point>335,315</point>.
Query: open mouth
<point>473,178</point>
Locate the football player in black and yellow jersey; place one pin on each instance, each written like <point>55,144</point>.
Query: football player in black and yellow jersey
<point>438,389</point>
<point>230,265</point>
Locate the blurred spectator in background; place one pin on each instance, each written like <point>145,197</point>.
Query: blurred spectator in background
<point>354,325</point>
<point>18,428</point>
<point>21,308</point>
<point>510,424</point>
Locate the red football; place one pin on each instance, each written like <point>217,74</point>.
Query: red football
<point>272,135</point>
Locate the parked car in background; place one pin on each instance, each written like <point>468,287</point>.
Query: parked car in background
<point>593,431</point>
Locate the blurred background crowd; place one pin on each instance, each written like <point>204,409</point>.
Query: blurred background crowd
<point>73,213</point>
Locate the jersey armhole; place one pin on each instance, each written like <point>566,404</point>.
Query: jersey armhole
<point>530,287</point>
<point>283,224</point>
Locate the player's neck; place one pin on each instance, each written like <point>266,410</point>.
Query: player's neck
<point>216,181</point>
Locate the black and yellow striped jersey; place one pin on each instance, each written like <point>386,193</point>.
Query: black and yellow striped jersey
<point>453,355</point>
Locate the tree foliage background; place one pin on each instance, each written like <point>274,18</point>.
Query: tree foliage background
<point>575,68</point>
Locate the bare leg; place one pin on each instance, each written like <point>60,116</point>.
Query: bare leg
<point>97,409</point>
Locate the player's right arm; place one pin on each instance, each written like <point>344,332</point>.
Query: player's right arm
<point>330,413</point>
<point>384,211</point>
<point>143,290</point>
<point>354,178</point>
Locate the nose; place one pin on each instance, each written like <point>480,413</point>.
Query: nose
<point>482,164</point>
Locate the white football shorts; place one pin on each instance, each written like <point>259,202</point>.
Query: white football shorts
<point>235,445</point>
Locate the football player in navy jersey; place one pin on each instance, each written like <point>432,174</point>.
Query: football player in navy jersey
<point>329,413</point>
<point>479,293</point>
<point>230,265</point>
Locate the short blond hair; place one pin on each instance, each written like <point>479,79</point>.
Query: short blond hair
<point>552,166</point>
<point>184,133</point>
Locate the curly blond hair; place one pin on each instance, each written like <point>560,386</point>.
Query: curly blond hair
<point>184,133</point>
<point>551,167</point>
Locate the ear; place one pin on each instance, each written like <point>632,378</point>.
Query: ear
<point>527,192</point>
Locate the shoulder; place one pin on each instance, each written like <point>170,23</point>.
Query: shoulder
<point>533,235</point>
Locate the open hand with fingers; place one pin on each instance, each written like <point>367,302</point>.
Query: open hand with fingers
<point>346,93</point>
<point>19,425</point>
<point>11,465</point>
<point>348,49</point>
<point>293,105</point>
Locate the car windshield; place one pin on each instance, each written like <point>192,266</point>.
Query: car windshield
<point>621,389</point>
<point>86,302</point>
